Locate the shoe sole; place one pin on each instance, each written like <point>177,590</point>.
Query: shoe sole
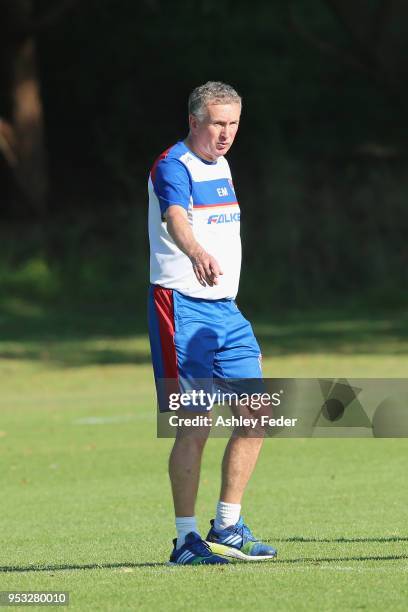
<point>173,564</point>
<point>234,553</point>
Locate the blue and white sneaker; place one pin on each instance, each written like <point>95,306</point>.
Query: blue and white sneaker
<point>238,542</point>
<point>194,552</point>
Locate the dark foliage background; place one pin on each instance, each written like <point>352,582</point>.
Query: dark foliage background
<point>320,162</point>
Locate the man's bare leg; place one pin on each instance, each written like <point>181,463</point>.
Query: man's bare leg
<point>240,457</point>
<point>229,535</point>
<point>184,471</point>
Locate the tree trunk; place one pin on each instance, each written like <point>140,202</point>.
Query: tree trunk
<point>22,134</point>
<point>31,170</point>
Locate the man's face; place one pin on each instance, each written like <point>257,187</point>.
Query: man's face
<point>214,134</point>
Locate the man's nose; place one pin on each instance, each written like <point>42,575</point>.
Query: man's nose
<point>225,132</point>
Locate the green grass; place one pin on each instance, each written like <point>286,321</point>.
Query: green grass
<point>86,507</point>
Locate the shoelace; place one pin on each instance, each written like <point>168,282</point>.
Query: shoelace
<point>246,534</point>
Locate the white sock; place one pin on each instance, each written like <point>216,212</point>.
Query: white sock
<point>227,514</point>
<point>184,525</point>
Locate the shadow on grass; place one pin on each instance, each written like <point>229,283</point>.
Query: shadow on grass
<point>56,355</point>
<point>66,337</point>
<point>22,320</point>
<point>59,568</point>
<point>96,566</point>
<point>342,540</point>
<point>317,560</point>
<point>339,332</point>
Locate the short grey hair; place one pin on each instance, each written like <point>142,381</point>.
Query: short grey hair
<point>212,91</point>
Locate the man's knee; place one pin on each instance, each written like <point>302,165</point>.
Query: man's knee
<point>252,423</point>
<point>193,438</point>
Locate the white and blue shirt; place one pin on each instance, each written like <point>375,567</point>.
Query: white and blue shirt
<point>205,190</point>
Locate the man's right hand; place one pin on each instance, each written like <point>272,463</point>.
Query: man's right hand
<point>205,268</point>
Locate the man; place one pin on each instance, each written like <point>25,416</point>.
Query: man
<point>196,330</point>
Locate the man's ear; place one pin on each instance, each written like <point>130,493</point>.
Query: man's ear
<point>193,123</point>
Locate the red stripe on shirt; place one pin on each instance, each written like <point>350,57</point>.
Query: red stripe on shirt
<point>154,167</point>
<point>214,205</point>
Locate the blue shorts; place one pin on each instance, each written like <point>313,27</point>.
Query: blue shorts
<point>195,339</point>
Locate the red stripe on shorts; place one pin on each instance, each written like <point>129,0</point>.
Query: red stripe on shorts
<point>163,300</point>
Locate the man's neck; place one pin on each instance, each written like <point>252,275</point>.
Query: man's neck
<point>190,145</point>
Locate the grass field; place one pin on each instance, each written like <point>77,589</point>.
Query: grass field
<point>85,500</point>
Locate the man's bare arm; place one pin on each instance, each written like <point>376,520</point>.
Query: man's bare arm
<point>205,266</point>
